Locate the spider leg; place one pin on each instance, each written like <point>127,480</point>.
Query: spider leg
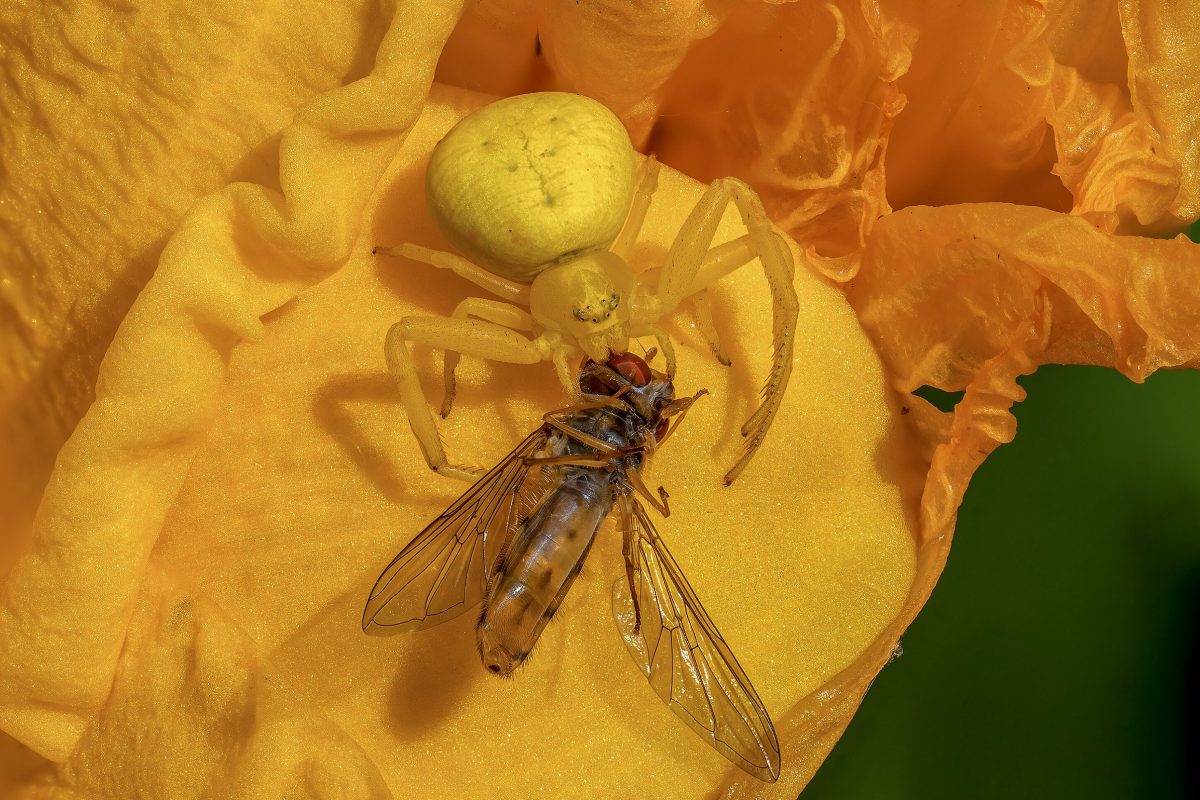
<point>647,184</point>
<point>492,311</point>
<point>472,337</point>
<point>693,264</point>
<point>664,344</point>
<point>562,357</point>
<point>511,291</point>
<point>702,306</point>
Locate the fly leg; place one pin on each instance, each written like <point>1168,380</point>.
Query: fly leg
<point>554,418</point>
<point>628,542</point>
<point>659,503</point>
<point>568,461</point>
<point>604,401</point>
<point>679,407</point>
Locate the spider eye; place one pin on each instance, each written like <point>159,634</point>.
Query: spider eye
<point>579,314</point>
<point>614,301</point>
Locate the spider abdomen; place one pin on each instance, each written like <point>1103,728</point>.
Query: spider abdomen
<point>524,181</point>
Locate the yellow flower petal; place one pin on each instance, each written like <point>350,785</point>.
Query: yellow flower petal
<point>307,481</point>
<point>70,592</point>
<point>116,121</point>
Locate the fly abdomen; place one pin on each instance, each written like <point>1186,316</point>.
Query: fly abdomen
<point>543,560</point>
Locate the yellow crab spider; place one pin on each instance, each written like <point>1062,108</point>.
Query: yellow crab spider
<point>539,192</point>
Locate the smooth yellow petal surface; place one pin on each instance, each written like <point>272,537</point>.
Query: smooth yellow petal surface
<point>307,481</point>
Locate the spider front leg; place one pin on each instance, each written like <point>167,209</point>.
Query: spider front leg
<point>502,287</point>
<point>472,337</point>
<point>509,316</point>
<point>629,539</point>
<point>642,195</point>
<point>702,306</point>
<point>693,264</point>
<point>664,344</point>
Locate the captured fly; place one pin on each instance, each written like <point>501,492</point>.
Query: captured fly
<point>516,539</point>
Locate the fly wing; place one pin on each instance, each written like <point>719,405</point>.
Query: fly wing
<point>444,570</point>
<point>685,659</point>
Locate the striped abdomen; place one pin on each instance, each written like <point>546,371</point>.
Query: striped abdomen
<point>543,560</point>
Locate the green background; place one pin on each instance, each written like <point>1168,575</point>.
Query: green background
<point>1059,656</point>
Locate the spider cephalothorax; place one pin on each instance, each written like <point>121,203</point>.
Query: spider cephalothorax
<point>539,191</point>
<point>587,300</point>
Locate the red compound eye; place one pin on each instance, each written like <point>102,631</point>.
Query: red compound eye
<point>635,370</point>
<point>629,366</point>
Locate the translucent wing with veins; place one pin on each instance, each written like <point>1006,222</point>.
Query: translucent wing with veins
<point>444,570</point>
<point>685,659</point>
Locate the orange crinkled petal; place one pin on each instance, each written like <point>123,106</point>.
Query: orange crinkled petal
<point>1162,38</point>
<point>1101,95</point>
<point>623,53</point>
<point>797,99</point>
<point>960,279</point>
<point>977,91</point>
<point>971,297</point>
